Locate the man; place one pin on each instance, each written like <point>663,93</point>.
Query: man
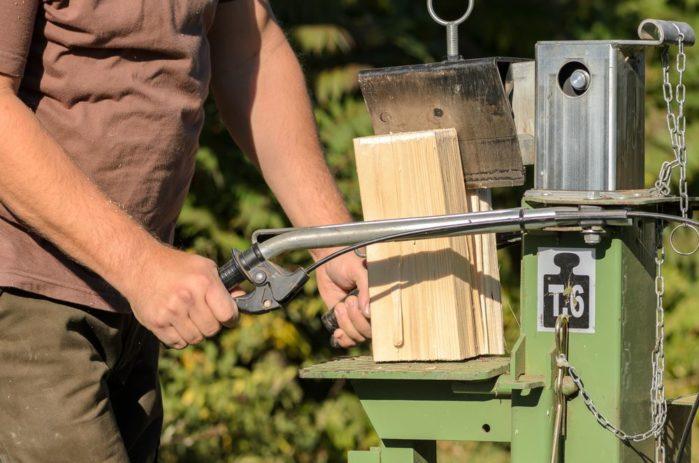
<point>100,111</point>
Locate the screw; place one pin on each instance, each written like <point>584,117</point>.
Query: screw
<point>580,80</point>
<point>267,304</point>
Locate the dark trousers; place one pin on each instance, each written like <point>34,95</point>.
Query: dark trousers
<point>76,385</point>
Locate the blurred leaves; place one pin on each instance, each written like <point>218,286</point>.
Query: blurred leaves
<point>336,82</point>
<point>237,398</point>
<point>322,39</point>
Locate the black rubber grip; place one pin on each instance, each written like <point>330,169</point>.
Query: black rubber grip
<point>231,275</point>
<point>330,321</point>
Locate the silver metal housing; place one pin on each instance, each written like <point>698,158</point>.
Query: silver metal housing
<point>590,140</point>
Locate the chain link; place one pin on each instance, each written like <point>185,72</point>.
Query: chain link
<point>676,125</point>
<point>658,405</point>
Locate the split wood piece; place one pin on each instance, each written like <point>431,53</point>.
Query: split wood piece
<point>520,86</point>
<point>421,295</point>
<point>475,251</point>
<point>486,270</point>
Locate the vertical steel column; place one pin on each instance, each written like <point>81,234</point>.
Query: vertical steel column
<point>614,360</point>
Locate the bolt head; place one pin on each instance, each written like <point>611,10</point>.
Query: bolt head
<point>592,238</point>
<point>568,388</point>
<point>259,277</point>
<point>580,80</point>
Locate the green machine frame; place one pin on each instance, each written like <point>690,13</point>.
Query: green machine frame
<point>590,138</point>
<point>511,399</point>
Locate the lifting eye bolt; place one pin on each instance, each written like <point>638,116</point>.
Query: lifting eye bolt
<point>452,29</point>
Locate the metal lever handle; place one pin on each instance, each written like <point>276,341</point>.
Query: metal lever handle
<point>274,285</point>
<point>452,28</point>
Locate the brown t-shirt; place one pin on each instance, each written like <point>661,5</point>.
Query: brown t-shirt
<point>120,85</point>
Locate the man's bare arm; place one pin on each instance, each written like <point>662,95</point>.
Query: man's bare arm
<point>175,295</point>
<point>261,94</point>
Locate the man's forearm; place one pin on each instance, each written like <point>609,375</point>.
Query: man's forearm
<point>261,95</point>
<point>42,186</point>
<point>279,131</point>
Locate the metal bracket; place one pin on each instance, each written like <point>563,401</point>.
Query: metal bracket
<point>659,32</point>
<point>505,385</point>
<point>637,198</point>
<point>261,235</point>
<point>273,287</point>
<point>561,359</point>
<point>467,95</point>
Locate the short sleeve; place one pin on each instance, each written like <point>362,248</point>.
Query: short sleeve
<point>16,30</point>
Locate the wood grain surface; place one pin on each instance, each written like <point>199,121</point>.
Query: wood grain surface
<point>431,299</point>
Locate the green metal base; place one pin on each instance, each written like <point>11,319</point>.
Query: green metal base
<point>460,401</point>
<point>364,368</point>
<point>412,405</point>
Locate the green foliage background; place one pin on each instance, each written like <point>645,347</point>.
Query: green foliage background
<point>237,398</point>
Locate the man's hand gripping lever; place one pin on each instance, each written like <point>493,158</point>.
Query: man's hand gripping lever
<point>274,286</point>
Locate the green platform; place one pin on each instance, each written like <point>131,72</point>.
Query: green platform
<point>365,368</point>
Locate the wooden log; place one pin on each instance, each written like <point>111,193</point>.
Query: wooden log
<point>423,303</point>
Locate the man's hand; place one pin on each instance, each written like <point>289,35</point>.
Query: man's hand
<point>179,297</point>
<point>335,280</point>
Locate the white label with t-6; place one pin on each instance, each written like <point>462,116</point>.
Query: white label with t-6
<point>566,286</point>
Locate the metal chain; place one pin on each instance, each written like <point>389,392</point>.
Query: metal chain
<point>657,390</point>
<point>658,405</point>
<point>676,124</point>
